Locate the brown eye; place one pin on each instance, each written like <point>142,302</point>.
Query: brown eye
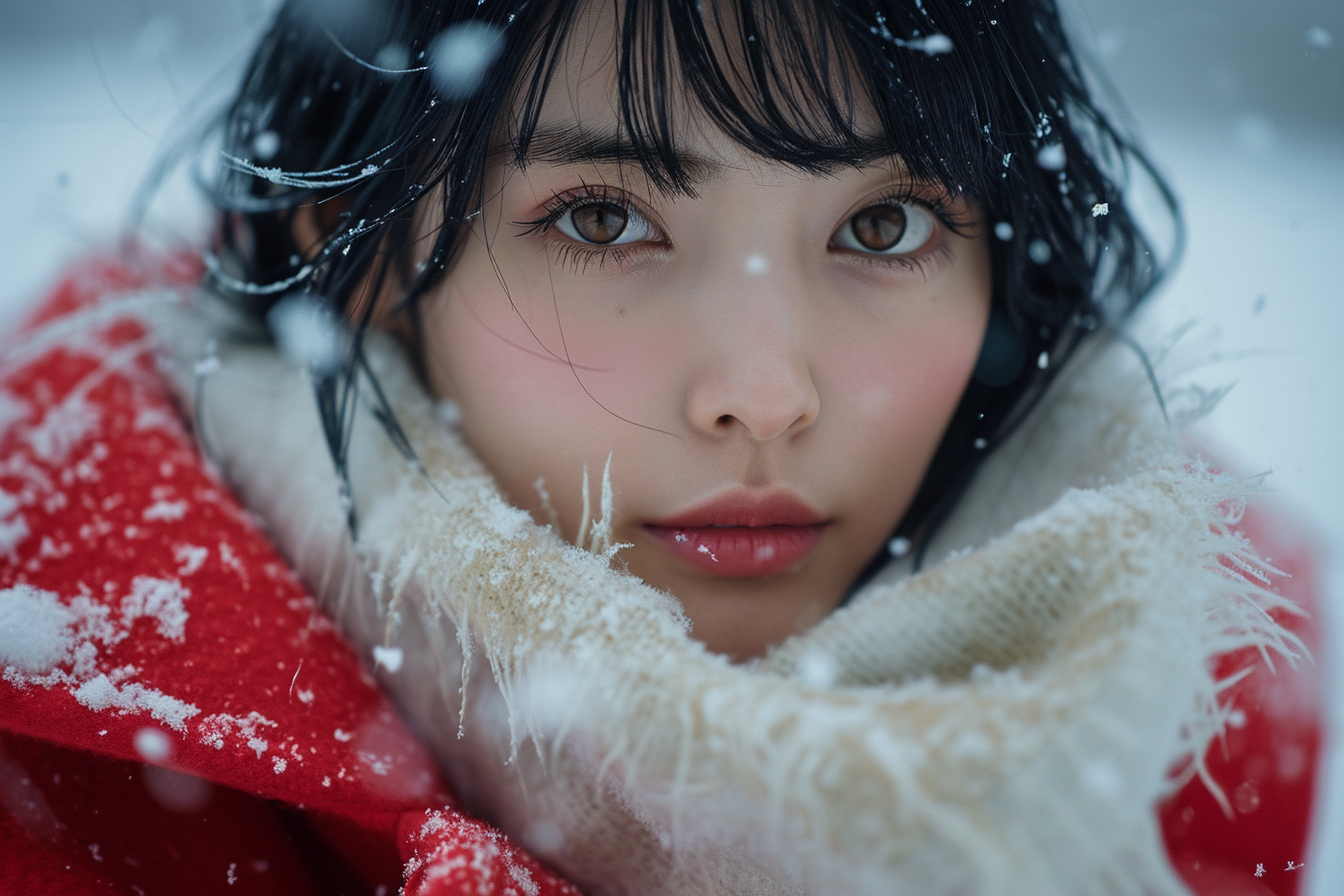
<point>878,228</point>
<point>890,228</point>
<point>599,222</point>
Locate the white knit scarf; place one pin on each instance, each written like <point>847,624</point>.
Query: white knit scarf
<point>1002,722</point>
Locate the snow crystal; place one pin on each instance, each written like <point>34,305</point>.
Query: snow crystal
<point>934,44</point>
<point>756,264</point>
<point>1051,157</point>
<point>1320,38</point>
<point>213,730</point>
<point>523,878</point>
<point>153,745</point>
<point>308,333</point>
<point>231,876</point>
<point>35,630</point>
<point>390,658</point>
<point>1003,230</point>
<point>1101,208</point>
<point>448,412</point>
<point>818,669</point>
<point>379,765</point>
<point>1246,798</point>
<point>1101,777</point>
<point>278,764</point>
<point>343,736</point>
<point>12,410</point>
<point>980,444</point>
<point>99,693</point>
<point>1039,251</point>
<point>167,511</point>
<point>190,557</point>
<point>1043,360</point>
<point>898,547</point>
<point>161,600</point>
<point>61,430</point>
<point>265,145</point>
<point>461,56</point>
<point>12,533</point>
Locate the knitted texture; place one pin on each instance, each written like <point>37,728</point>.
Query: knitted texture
<point>1003,722</point>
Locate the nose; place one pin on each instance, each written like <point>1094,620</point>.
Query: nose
<point>756,376</point>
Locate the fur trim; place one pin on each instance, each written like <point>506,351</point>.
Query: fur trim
<point>1000,723</point>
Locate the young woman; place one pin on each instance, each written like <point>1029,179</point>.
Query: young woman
<point>722,442</point>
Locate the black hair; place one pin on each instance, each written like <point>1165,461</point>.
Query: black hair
<point>340,111</point>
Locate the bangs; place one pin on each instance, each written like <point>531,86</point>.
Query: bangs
<point>805,84</point>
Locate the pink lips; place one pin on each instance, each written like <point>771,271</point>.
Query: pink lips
<point>742,533</point>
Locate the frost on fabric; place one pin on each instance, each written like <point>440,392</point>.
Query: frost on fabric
<point>63,427</point>
<point>36,630</point>
<point>13,526</point>
<point>191,558</point>
<point>101,693</point>
<point>160,600</point>
<point>456,853</point>
<point>48,642</point>
<point>215,730</point>
<point>165,511</point>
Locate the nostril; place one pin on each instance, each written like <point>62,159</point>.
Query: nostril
<point>724,419</point>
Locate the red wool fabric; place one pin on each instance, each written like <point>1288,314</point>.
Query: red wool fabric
<point>176,714</point>
<point>182,718</point>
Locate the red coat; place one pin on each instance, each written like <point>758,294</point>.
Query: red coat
<point>177,716</point>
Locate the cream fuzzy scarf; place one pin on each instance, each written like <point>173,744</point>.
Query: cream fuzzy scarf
<point>1002,722</point>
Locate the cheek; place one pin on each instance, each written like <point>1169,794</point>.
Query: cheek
<point>906,383</point>
<point>538,400</point>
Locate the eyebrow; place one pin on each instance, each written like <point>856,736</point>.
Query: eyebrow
<point>575,144</point>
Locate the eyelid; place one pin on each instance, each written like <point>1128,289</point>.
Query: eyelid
<point>568,200</point>
<point>943,204</point>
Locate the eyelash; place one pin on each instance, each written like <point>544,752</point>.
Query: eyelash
<point>937,202</point>
<point>578,256</point>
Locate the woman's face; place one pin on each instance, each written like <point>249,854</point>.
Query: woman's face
<point>769,364</point>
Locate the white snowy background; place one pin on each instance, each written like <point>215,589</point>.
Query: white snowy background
<point>1240,102</point>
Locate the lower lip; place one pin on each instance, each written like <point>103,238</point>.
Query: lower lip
<point>740,551</point>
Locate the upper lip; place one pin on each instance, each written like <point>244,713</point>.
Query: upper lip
<point>744,507</point>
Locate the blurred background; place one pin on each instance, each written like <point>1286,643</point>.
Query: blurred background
<point>1239,102</point>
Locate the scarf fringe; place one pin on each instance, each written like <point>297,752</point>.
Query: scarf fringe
<point>1001,723</point>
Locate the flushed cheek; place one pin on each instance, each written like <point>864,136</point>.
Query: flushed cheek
<point>531,415</point>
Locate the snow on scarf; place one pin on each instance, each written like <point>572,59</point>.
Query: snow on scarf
<point>175,716</point>
<point>1004,722</point>
<point>169,687</point>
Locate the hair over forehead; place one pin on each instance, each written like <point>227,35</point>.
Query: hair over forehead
<point>983,97</point>
<point>810,84</point>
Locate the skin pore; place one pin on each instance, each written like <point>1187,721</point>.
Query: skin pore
<point>769,364</point>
